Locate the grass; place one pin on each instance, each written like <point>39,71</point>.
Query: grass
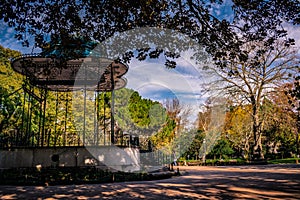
<point>238,161</point>
<point>229,161</point>
<point>283,161</point>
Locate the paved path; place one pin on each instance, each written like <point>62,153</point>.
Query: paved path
<point>241,182</point>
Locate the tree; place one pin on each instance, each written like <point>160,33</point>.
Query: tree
<point>61,20</point>
<point>194,148</point>
<point>136,114</point>
<point>222,149</point>
<point>279,129</point>
<point>286,116</point>
<point>294,100</point>
<point>10,112</point>
<point>238,129</point>
<point>250,81</point>
<point>210,122</point>
<point>260,57</point>
<point>59,123</point>
<point>133,115</point>
<point>98,21</point>
<point>174,127</point>
<point>10,95</point>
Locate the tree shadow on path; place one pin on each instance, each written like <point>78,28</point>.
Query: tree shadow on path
<point>246,182</point>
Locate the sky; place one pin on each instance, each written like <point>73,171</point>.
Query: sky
<point>154,81</point>
<point>8,40</point>
<point>183,82</point>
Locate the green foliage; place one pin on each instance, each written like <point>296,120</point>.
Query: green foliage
<point>238,129</point>
<point>10,96</point>
<point>280,128</point>
<point>9,79</point>
<point>283,161</point>
<point>165,135</point>
<point>6,55</point>
<point>222,149</point>
<point>134,113</point>
<point>10,113</point>
<point>103,19</point>
<point>139,110</point>
<point>193,150</point>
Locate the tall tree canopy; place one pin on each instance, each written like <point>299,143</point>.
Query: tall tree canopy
<point>99,20</point>
<point>264,57</point>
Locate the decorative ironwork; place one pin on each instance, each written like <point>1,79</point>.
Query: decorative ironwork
<point>48,74</point>
<point>91,73</point>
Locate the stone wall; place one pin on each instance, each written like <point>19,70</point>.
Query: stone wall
<point>106,157</point>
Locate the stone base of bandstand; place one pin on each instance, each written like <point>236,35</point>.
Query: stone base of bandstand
<point>111,158</point>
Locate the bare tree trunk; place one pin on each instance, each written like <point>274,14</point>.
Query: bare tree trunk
<point>297,135</point>
<point>246,148</point>
<point>257,150</point>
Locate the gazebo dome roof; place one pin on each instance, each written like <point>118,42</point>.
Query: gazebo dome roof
<point>71,49</point>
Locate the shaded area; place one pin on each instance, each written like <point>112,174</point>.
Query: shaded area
<point>246,182</point>
<point>45,176</point>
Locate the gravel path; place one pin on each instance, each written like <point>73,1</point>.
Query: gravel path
<point>239,182</point>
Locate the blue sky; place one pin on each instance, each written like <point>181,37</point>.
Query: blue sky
<point>8,40</point>
<point>157,82</point>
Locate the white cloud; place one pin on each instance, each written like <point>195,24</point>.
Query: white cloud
<point>293,32</point>
<point>183,81</point>
<point>154,81</point>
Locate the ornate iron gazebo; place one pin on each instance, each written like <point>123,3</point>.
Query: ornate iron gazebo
<point>50,85</point>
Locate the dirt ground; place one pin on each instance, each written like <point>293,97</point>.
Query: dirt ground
<point>199,182</point>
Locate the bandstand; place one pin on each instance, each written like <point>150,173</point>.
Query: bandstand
<point>48,81</point>
<point>68,111</point>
